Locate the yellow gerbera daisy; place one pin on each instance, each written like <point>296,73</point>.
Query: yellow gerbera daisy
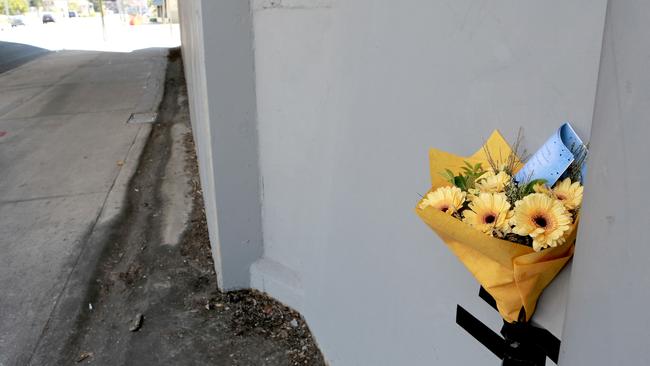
<point>543,218</point>
<point>446,199</point>
<point>493,183</point>
<point>569,193</point>
<point>489,212</point>
<point>542,188</point>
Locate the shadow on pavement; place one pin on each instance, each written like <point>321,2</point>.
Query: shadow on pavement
<point>13,55</point>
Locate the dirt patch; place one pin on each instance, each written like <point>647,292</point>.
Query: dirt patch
<point>131,274</point>
<point>170,291</point>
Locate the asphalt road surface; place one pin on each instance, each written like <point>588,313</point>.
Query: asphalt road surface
<point>13,55</point>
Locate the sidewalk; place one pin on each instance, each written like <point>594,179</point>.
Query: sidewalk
<point>65,151</point>
<point>104,250</point>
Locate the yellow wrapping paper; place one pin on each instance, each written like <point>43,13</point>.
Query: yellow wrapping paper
<point>515,275</point>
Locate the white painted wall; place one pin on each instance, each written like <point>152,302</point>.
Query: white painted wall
<point>349,97</point>
<point>218,57</point>
<point>607,318</point>
<point>293,53</point>
<point>195,69</point>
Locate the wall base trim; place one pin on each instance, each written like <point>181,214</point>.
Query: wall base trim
<point>279,281</point>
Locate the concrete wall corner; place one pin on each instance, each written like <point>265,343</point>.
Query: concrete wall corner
<point>224,120</point>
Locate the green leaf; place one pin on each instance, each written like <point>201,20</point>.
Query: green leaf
<point>447,178</point>
<point>460,182</point>
<point>448,175</point>
<point>530,187</point>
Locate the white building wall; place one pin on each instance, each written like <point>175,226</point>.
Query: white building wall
<point>195,69</point>
<point>349,97</point>
<point>607,317</point>
<point>219,67</point>
<point>293,54</point>
<point>351,94</point>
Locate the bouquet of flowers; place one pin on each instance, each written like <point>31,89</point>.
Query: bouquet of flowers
<point>513,225</point>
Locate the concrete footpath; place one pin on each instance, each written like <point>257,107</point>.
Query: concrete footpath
<point>66,156</point>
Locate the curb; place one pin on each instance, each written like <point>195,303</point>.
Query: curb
<point>115,197</point>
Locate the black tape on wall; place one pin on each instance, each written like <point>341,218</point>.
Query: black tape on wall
<point>522,343</point>
<point>480,331</point>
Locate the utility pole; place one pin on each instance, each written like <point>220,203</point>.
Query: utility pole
<point>101,11</point>
<point>7,7</point>
<point>120,9</point>
<point>168,19</point>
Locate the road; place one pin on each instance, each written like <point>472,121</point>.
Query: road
<point>15,54</point>
<point>66,155</point>
<point>88,34</point>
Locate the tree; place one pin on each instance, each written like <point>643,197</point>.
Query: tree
<point>95,4</point>
<point>15,7</point>
<point>73,5</point>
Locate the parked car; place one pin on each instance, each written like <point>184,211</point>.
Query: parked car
<point>48,18</point>
<point>72,14</point>
<point>16,21</point>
